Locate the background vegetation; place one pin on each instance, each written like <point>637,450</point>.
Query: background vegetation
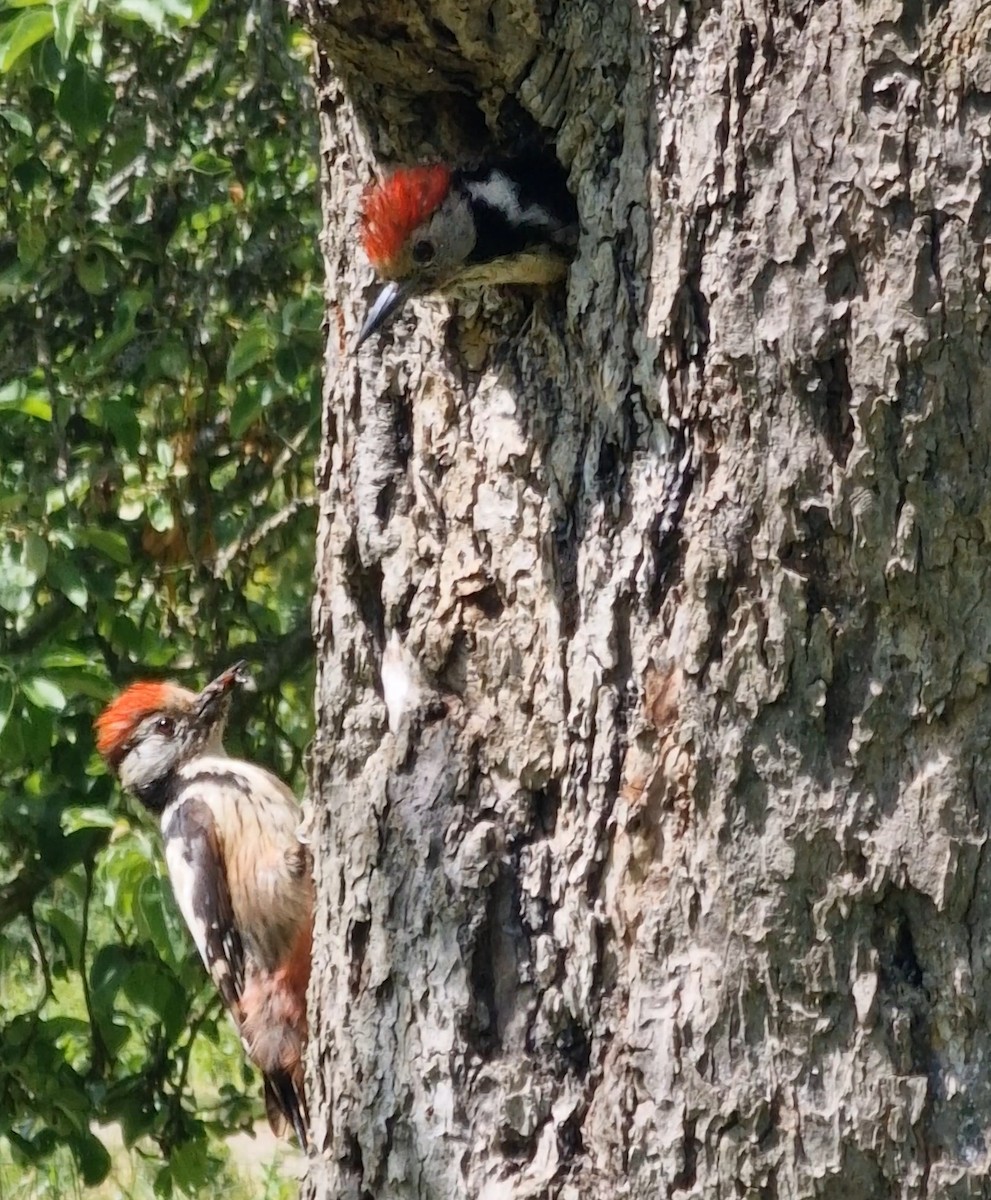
<point>159,347</point>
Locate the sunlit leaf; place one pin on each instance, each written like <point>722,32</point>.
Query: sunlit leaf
<point>157,14</point>
<point>109,542</point>
<point>16,586</point>
<point>16,120</point>
<point>74,819</point>
<point>18,397</point>
<point>252,347</point>
<point>66,18</point>
<point>6,700</point>
<point>20,34</point>
<point>66,578</point>
<point>44,693</point>
<point>61,656</point>
<point>208,163</point>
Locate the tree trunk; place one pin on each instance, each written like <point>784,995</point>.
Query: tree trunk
<point>669,880</point>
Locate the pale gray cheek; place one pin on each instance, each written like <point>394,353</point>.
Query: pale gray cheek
<point>150,759</point>
<point>452,231</point>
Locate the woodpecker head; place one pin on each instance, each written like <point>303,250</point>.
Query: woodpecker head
<point>418,232</point>
<point>437,229</point>
<point>151,729</point>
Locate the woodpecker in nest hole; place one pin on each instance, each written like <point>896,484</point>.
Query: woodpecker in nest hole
<point>440,229</point>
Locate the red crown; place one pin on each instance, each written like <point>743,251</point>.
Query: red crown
<point>114,725</point>
<point>391,210</point>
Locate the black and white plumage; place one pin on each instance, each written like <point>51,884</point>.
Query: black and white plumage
<point>241,877</point>
<point>437,229</point>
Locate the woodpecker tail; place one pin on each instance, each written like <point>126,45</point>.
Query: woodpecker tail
<point>285,1104</point>
<point>273,1030</point>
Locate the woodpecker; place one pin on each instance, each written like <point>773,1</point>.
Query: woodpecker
<point>439,229</point>
<point>241,876</point>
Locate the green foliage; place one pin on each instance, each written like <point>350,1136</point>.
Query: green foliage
<point>160,314</point>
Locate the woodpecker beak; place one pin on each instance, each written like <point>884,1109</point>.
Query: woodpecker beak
<point>383,308</point>
<point>213,701</point>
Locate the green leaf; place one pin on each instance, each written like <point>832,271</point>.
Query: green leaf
<point>157,990</point>
<point>16,586</point>
<point>91,271</point>
<point>35,554</point>
<point>66,578</point>
<point>302,313</point>
<point>158,14</point>
<point>66,928</point>
<point>66,18</point>
<point>205,162</point>
<point>245,410</point>
<point>122,422</point>
<point>31,243</point>
<point>36,729</point>
<point>13,502</point>
<point>252,347</point>
<point>110,969</point>
<point>151,913</point>
<point>63,657</point>
<point>86,683</point>
<point>160,515</point>
<point>17,397</point>
<point>191,1166</point>
<point>6,701</point>
<point>169,361</point>
<point>74,819</point>
<point>17,121</point>
<point>19,35</point>
<point>84,101</point>
<point>92,1156</point>
<point>44,693</point>
<point>110,544</point>
<point>150,12</point>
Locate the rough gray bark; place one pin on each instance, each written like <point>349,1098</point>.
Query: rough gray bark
<point>672,881</point>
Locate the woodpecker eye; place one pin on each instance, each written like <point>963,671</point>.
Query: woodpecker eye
<point>165,725</point>
<point>423,252</point>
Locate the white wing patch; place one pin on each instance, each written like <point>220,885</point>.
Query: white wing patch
<point>500,192</point>
<point>199,882</point>
<point>183,879</point>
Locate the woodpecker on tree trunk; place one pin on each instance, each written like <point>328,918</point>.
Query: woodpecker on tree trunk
<point>438,229</point>
<point>240,874</point>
